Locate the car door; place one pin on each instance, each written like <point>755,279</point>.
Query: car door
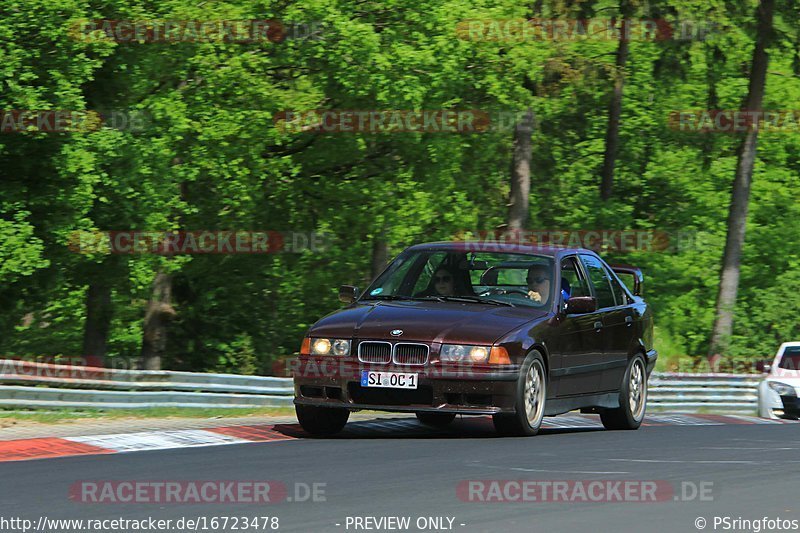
<point>621,325</point>
<point>607,319</point>
<point>579,346</point>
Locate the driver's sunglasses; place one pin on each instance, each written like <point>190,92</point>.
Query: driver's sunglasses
<point>540,279</point>
<point>442,279</point>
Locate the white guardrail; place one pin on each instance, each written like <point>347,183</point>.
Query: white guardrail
<point>28,384</point>
<point>710,393</point>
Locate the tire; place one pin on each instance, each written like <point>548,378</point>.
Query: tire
<point>321,421</point>
<point>531,392</point>
<point>437,420</point>
<point>632,399</point>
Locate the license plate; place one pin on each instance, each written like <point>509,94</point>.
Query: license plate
<point>389,380</point>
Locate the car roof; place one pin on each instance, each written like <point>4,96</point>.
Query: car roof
<point>498,246</point>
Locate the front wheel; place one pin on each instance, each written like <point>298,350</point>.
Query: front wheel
<point>632,399</point>
<point>321,421</point>
<point>530,397</point>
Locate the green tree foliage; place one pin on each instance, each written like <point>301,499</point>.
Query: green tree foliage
<point>212,158</point>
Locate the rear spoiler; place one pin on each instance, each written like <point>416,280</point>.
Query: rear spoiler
<point>634,272</point>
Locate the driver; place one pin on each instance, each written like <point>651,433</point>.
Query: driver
<point>539,279</point>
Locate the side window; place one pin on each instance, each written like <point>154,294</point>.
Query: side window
<point>574,277</point>
<point>600,281</point>
<point>619,292</point>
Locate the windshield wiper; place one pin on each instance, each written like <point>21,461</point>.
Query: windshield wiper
<point>474,299</point>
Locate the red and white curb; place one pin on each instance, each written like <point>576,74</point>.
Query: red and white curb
<point>48,447</point>
<point>42,448</point>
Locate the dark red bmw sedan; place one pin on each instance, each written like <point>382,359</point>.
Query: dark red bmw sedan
<point>511,331</point>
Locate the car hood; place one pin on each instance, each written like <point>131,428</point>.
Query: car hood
<point>450,322</point>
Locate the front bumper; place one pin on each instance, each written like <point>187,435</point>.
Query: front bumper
<point>329,382</point>
<point>652,357</point>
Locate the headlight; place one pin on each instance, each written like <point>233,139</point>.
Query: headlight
<point>462,353</point>
<point>782,388</point>
<point>330,347</point>
<point>341,347</point>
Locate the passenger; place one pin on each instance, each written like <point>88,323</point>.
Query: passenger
<point>444,282</point>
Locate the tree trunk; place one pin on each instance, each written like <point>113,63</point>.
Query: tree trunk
<point>615,108</point>
<point>156,319</point>
<point>380,255</point>
<point>98,320</point>
<point>740,198</point>
<point>519,199</point>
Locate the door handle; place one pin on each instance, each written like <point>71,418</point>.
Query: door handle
<point>628,320</point>
<point>598,325</point>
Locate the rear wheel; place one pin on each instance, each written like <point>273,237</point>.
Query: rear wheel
<point>321,421</point>
<point>437,420</point>
<point>632,399</point>
<point>530,397</point>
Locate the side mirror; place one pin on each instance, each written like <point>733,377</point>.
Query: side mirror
<point>348,294</point>
<point>578,305</point>
<point>767,368</point>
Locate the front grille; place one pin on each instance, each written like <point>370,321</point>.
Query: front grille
<point>375,352</point>
<point>411,354</point>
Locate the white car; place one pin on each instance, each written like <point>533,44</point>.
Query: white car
<point>778,393</point>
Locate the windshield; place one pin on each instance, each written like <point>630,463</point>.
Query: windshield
<point>790,360</point>
<point>483,277</point>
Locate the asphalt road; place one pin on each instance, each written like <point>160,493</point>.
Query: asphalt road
<point>746,471</point>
